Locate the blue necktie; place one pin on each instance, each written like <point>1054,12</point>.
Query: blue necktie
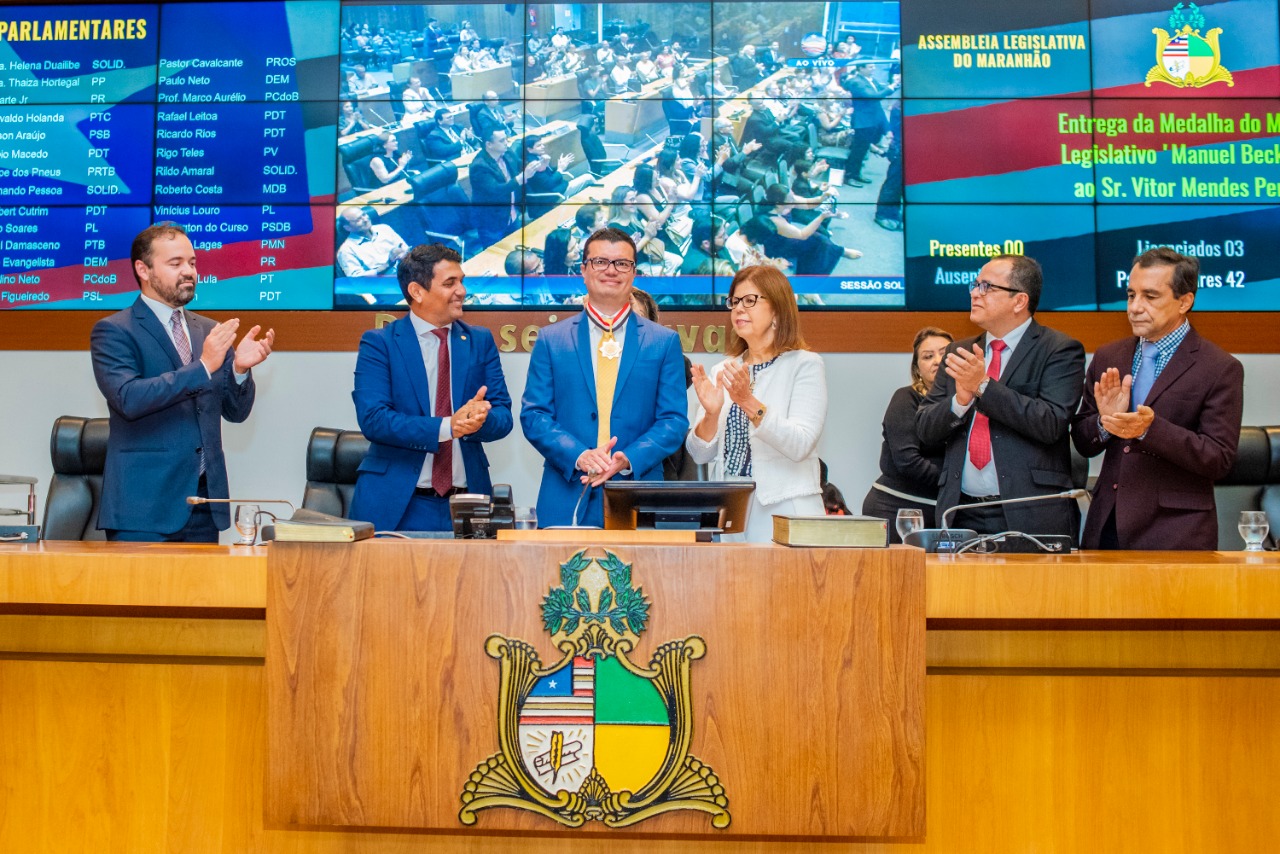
<point>1146,377</point>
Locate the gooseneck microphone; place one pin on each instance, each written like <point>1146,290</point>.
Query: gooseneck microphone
<point>947,540</point>
<point>1070,493</point>
<point>196,499</point>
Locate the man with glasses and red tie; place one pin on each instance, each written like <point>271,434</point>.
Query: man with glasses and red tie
<point>1003,405</point>
<point>605,395</point>
<point>429,390</point>
<point>169,376</point>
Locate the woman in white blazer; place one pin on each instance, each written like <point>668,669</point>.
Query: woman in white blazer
<point>761,411</point>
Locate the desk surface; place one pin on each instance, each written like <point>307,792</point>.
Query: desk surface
<point>1097,586</point>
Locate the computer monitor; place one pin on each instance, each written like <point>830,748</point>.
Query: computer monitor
<point>678,505</point>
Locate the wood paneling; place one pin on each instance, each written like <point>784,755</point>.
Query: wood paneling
<point>171,756</point>
<point>807,705</point>
<point>127,758</point>
<point>1103,650</point>
<point>56,575</point>
<point>826,331</point>
<point>163,637</point>
<point>1106,586</point>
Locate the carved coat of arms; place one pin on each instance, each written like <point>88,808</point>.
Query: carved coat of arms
<point>594,736</point>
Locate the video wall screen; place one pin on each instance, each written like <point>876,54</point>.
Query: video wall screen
<point>878,152</point>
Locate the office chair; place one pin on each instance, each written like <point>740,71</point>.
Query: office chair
<point>78,447</point>
<point>441,206</point>
<point>13,516</point>
<point>333,463</point>
<point>1252,484</point>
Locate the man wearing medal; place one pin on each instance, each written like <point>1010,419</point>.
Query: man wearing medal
<point>605,395</point>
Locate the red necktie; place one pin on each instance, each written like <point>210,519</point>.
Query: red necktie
<point>980,435</point>
<point>442,465</point>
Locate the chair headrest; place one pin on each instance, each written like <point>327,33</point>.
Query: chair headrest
<point>334,456</point>
<point>1254,458</point>
<point>357,148</point>
<point>433,180</point>
<point>79,445</point>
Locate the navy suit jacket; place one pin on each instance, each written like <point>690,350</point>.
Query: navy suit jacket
<point>163,414</point>
<point>438,146</point>
<point>559,414</point>
<point>866,95</point>
<point>1030,409</point>
<point>394,408</point>
<point>1161,487</point>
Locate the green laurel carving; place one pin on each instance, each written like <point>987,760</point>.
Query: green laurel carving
<point>622,606</point>
<point>1188,14</point>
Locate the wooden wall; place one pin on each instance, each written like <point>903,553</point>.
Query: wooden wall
<point>827,331</point>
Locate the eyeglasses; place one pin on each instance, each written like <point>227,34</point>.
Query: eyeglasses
<point>746,300</point>
<point>622,265</point>
<point>983,288</point>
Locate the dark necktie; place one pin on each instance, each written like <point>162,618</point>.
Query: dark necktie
<point>183,345</point>
<point>180,340</point>
<point>980,435</point>
<point>442,465</point>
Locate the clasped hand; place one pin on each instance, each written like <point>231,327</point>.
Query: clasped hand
<point>601,463</point>
<point>1112,396</point>
<point>471,416</point>
<point>968,368</point>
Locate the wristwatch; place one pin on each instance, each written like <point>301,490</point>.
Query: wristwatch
<point>982,386</point>
<point>756,417</point>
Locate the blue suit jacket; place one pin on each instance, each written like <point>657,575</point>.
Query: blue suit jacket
<point>162,414</point>
<point>559,414</point>
<point>394,409</point>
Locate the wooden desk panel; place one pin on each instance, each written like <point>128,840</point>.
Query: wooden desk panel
<point>382,700</point>
<point>471,85</point>
<point>555,95</point>
<point>123,750</point>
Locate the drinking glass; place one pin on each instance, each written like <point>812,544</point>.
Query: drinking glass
<point>908,521</point>
<point>247,524</point>
<point>1253,527</point>
<point>526,518</point>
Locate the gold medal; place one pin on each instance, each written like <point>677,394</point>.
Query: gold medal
<point>610,348</point>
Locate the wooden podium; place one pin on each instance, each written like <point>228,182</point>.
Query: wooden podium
<point>803,715</point>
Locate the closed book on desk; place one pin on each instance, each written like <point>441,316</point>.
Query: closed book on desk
<point>308,526</point>
<point>831,531</point>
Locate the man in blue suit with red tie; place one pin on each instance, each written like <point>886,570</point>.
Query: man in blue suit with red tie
<point>605,396</point>
<point>168,383</point>
<point>426,436</point>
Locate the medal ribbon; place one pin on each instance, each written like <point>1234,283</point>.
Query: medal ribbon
<point>607,363</point>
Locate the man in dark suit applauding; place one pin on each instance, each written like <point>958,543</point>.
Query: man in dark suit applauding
<point>168,383</point>
<point>429,390</point>
<point>497,179</point>
<point>442,139</point>
<point>1165,408</point>
<point>1003,406</point>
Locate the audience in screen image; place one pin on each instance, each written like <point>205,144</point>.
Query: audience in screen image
<point>540,122</point>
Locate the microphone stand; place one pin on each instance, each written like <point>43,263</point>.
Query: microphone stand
<point>196,499</point>
<point>960,540</point>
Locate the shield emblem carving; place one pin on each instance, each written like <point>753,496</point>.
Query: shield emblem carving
<point>595,736</point>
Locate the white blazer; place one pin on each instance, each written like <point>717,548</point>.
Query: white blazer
<point>784,448</point>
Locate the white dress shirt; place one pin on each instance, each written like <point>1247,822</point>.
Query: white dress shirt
<point>163,312</point>
<point>430,346</point>
<point>985,481</point>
